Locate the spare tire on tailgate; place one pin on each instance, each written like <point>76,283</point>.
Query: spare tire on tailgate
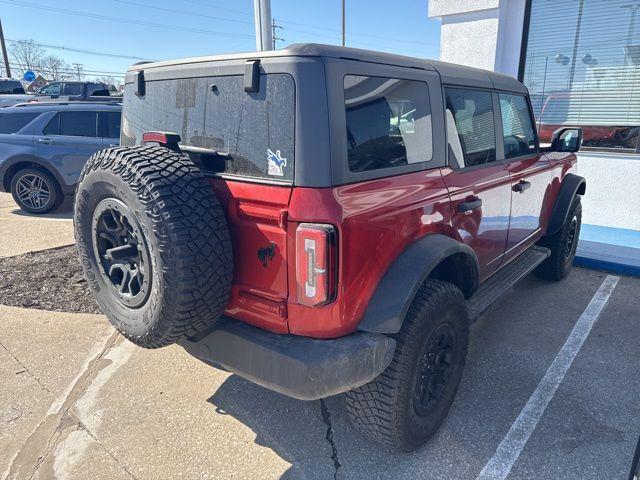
<point>154,243</point>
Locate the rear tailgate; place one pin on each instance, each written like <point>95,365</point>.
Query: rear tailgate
<point>257,217</point>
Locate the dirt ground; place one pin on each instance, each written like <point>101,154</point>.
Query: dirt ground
<point>46,280</point>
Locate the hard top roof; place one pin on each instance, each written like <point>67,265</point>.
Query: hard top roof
<point>450,73</point>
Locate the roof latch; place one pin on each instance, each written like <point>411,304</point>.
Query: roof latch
<point>252,76</point>
<point>140,83</point>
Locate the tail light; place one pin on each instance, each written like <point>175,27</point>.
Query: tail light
<point>166,139</point>
<point>316,263</point>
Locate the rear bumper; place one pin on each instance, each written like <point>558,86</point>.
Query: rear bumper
<point>301,367</point>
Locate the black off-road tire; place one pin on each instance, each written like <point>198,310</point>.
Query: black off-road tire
<point>385,409</point>
<point>180,230</point>
<point>55,192</point>
<point>563,245</point>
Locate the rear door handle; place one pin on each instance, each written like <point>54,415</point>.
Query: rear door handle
<point>46,141</point>
<point>521,186</point>
<point>471,204</point>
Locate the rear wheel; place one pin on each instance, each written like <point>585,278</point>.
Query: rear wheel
<point>563,245</point>
<point>153,242</point>
<point>407,403</point>
<point>36,191</point>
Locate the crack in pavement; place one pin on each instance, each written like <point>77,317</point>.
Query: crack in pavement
<point>35,377</point>
<point>326,418</point>
<point>35,455</point>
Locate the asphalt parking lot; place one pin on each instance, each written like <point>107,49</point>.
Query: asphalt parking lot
<point>78,402</point>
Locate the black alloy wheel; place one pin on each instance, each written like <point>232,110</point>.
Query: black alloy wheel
<point>121,250</point>
<point>434,369</point>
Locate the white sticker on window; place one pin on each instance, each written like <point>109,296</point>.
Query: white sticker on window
<point>276,163</point>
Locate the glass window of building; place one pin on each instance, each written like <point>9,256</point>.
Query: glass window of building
<point>582,68</point>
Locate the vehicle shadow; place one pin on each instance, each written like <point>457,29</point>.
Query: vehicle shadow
<point>292,428</point>
<point>315,437</point>
<point>65,212</point>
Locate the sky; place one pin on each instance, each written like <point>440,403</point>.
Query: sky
<point>133,30</point>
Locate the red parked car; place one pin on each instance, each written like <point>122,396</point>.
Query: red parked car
<point>563,109</point>
<point>322,219</point>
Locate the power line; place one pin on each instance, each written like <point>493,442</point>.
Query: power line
<point>351,34</point>
<point>18,66</point>
<point>183,12</point>
<point>216,7</point>
<point>80,50</point>
<point>131,21</point>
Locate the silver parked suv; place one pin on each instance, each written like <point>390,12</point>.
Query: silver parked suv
<point>44,146</point>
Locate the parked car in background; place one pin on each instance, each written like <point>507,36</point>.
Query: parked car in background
<point>602,115</point>
<point>12,92</point>
<point>74,91</point>
<point>43,147</point>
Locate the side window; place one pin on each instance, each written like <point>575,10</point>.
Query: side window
<point>113,124</point>
<point>11,87</point>
<point>13,122</point>
<point>78,124</point>
<point>517,128</point>
<point>53,127</point>
<point>51,89</point>
<point>97,90</point>
<point>388,122</point>
<point>72,89</point>
<point>470,127</point>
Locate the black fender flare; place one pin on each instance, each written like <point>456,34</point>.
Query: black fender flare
<point>399,285</point>
<point>571,186</point>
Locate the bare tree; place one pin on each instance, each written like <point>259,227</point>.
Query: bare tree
<point>54,68</point>
<point>110,82</point>
<point>26,55</point>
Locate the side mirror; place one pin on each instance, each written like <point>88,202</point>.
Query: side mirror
<point>566,140</point>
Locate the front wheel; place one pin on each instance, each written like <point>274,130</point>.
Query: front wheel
<point>407,403</point>
<point>563,245</point>
<point>35,191</point>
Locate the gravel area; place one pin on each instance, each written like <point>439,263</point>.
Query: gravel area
<point>48,280</point>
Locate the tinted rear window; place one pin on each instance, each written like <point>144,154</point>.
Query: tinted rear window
<point>74,124</point>
<point>12,122</point>
<point>113,124</point>
<point>11,87</point>
<point>72,89</point>
<point>255,129</point>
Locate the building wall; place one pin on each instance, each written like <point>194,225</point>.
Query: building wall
<point>481,33</point>
<point>612,189</point>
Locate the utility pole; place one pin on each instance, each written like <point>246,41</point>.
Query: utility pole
<point>274,35</point>
<point>4,52</point>
<point>343,25</point>
<point>262,17</point>
<point>78,68</point>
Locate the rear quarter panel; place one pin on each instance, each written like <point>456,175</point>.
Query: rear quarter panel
<point>376,220</point>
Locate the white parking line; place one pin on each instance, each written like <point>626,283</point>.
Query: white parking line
<point>499,466</point>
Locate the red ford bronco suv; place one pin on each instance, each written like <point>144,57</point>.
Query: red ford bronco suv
<point>323,219</point>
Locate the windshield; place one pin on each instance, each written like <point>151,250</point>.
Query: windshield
<point>256,130</point>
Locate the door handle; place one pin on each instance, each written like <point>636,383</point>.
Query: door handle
<point>521,186</point>
<point>46,141</point>
<point>468,205</point>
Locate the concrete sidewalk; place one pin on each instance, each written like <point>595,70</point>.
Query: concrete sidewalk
<point>21,232</point>
<point>79,402</point>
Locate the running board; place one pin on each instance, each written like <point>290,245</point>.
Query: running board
<point>504,279</point>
